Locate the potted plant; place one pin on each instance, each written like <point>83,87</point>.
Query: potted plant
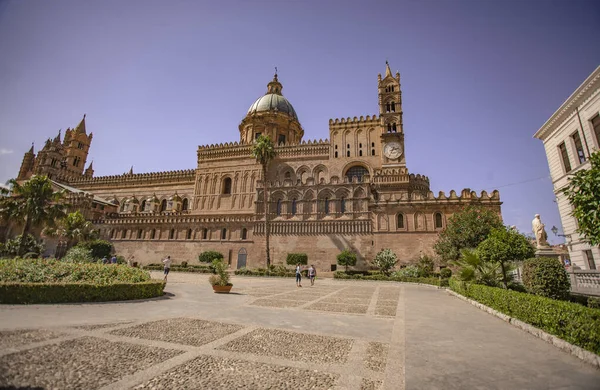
<point>220,280</point>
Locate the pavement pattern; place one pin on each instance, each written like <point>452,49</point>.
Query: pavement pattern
<point>270,334</point>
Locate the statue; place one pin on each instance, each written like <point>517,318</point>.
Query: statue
<point>539,232</point>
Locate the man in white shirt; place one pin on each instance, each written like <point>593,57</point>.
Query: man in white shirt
<point>167,262</point>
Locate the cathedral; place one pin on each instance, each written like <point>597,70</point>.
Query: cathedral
<point>353,191</point>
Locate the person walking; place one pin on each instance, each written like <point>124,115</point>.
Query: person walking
<point>298,275</point>
<point>113,260</point>
<point>312,274</point>
<point>104,260</point>
<point>167,263</point>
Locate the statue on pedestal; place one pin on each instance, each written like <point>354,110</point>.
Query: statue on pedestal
<point>540,233</point>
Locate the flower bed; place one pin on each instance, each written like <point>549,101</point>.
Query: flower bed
<point>574,323</point>
<point>53,281</point>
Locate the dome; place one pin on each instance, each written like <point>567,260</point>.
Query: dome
<point>273,101</point>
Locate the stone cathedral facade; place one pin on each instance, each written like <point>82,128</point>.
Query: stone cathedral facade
<point>353,191</point>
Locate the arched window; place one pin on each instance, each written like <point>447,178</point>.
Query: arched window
<point>326,205</point>
<point>163,205</point>
<point>394,128</point>
<point>185,204</point>
<point>244,233</point>
<point>189,234</point>
<point>348,153</point>
<point>294,207</point>
<point>139,233</point>
<point>393,107</point>
<point>123,206</point>
<point>387,107</point>
<point>358,171</point>
<point>343,205</point>
<point>124,233</point>
<point>143,205</point>
<point>336,154</point>
<point>287,175</point>
<point>223,234</point>
<point>360,153</point>
<point>204,233</point>
<point>112,233</point>
<point>227,186</point>
<point>172,234</point>
<point>279,207</point>
<point>153,234</point>
<point>400,221</point>
<point>389,127</point>
<point>438,220</point>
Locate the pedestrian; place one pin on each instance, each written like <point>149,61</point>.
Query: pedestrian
<point>167,263</point>
<point>113,259</point>
<point>298,275</point>
<point>312,274</point>
<point>104,260</point>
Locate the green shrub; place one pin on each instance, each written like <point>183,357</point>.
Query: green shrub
<point>98,248</point>
<point>19,293</point>
<point>445,273</point>
<point>393,278</point>
<point>199,269</point>
<point>78,255</point>
<point>11,247</point>
<point>54,271</point>
<point>411,271</point>
<point>184,264</point>
<point>295,258</point>
<point>546,276</point>
<point>346,258</point>
<point>221,277</point>
<point>425,266</point>
<point>385,260</point>
<point>571,322</point>
<point>209,256</point>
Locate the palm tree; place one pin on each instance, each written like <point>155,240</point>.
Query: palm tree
<point>474,269</point>
<point>34,202</point>
<point>263,151</point>
<point>74,228</point>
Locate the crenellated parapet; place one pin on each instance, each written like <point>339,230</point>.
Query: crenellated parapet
<point>179,176</point>
<point>235,150</point>
<point>171,219</point>
<point>466,197</point>
<point>342,123</point>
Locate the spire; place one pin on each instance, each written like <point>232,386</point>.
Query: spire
<point>388,71</point>
<point>81,126</point>
<point>89,172</point>
<point>131,170</point>
<point>274,86</point>
<point>57,138</point>
<point>31,150</point>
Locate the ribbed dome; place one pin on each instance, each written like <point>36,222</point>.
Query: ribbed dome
<point>273,101</point>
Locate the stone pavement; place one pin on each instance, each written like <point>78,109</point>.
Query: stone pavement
<point>268,334</point>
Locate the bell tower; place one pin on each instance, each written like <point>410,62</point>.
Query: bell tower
<point>77,145</point>
<point>390,113</point>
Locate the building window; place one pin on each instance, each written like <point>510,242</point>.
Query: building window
<point>112,233</point>
<point>356,171</point>
<point>205,234</point>
<point>227,186</point>
<point>279,207</point>
<point>348,154</point>
<point>360,153</point>
<point>140,231</point>
<point>394,130</point>
<point>438,220</point>
<point>163,205</point>
<point>393,107</point>
<point>336,155</point>
<point>294,207</point>
<point>565,157</point>
<point>578,147</point>
<point>189,234</point>
<point>256,135</point>
<point>244,233</point>
<point>124,233</point>
<point>281,139</point>
<point>76,161</point>
<point>223,234</point>
<point>185,204</point>
<point>387,107</point>
<point>153,234</point>
<point>400,221</point>
<point>172,234</point>
<point>590,259</point>
<point>79,145</point>
<point>343,205</point>
<point>53,163</point>
<point>596,126</point>
<point>143,205</point>
<point>326,205</point>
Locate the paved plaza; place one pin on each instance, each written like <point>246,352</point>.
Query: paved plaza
<point>269,334</point>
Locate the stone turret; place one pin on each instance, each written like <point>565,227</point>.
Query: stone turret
<point>27,165</point>
<point>89,172</point>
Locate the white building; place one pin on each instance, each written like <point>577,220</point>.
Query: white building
<point>569,136</point>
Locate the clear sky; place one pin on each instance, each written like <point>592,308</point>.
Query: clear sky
<point>158,78</point>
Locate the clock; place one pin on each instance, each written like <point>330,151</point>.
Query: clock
<point>392,150</point>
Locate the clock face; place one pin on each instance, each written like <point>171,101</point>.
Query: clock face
<point>392,150</point>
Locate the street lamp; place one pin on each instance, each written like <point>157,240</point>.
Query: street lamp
<point>555,231</point>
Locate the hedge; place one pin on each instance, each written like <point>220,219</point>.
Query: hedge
<point>569,321</point>
<point>18,293</point>
<point>209,256</point>
<point>295,258</point>
<point>199,269</point>
<point>357,276</point>
<point>264,272</point>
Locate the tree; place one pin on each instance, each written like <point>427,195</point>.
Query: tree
<point>472,269</point>
<point>74,228</point>
<point>583,192</point>
<point>263,151</point>
<point>385,260</point>
<point>425,266</point>
<point>346,258</point>
<point>465,230</point>
<point>547,277</point>
<point>502,247</point>
<point>34,202</point>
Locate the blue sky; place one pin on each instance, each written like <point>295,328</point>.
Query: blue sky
<point>156,79</point>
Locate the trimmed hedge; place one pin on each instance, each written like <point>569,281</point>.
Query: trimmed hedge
<point>295,258</point>
<point>547,277</point>
<point>199,269</point>
<point>264,272</point>
<point>343,275</point>
<point>209,256</point>
<point>19,293</point>
<point>571,322</point>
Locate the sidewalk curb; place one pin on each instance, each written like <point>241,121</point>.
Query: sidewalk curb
<point>587,356</point>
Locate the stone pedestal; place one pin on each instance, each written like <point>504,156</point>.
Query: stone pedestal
<point>546,252</point>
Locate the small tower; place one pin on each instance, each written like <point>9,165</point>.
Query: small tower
<point>27,165</point>
<point>390,113</point>
<point>89,172</point>
<point>49,160</point>
<point>77,145</point>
